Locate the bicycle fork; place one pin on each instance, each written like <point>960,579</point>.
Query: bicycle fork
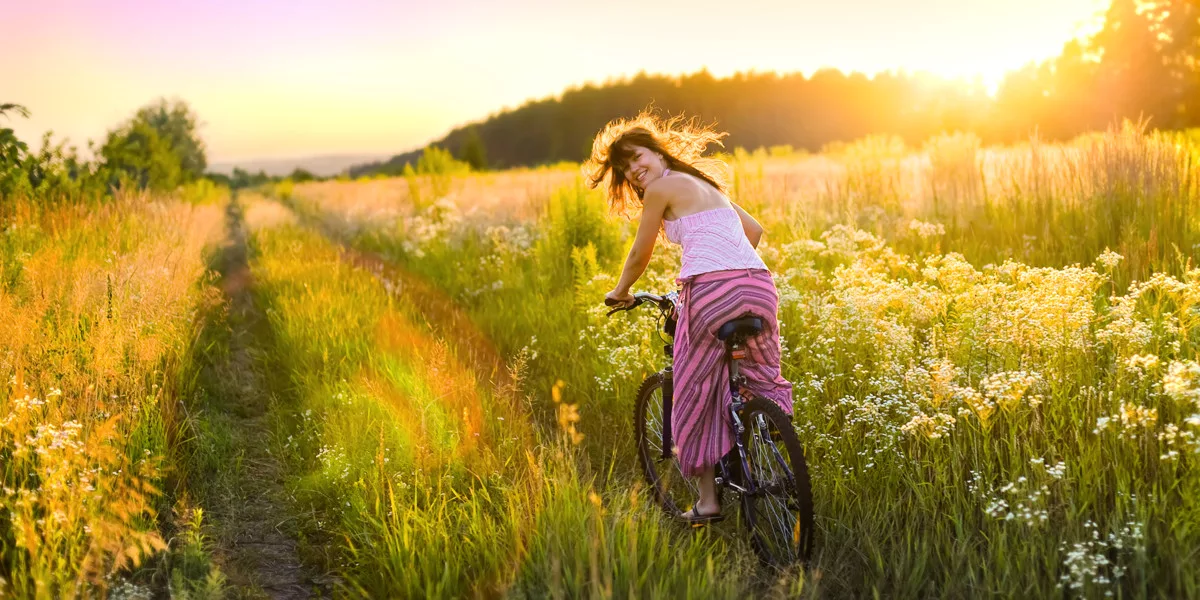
<point>668,387</point>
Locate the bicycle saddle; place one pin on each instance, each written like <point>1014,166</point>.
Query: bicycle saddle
<point>744,327</point>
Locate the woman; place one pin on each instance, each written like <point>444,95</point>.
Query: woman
<point>655,166</point>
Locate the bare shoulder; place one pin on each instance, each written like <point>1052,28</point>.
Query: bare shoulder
<point>673,186</point>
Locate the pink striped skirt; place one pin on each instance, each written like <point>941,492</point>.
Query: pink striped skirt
<point>702,398</point>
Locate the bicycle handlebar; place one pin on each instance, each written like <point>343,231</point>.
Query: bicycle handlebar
<point>638,299</point>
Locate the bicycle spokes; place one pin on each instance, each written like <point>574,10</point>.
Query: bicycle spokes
<point>774,507</point>
<point>675,492</point>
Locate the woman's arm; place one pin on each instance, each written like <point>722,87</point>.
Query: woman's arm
<point>654,204</point>
<point>753,230</point>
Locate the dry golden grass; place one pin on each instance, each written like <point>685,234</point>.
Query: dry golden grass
<point>98,310</point>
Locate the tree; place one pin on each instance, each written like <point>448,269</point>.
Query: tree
<point>1148,52</point>
<point>11,148</point>
<point>1145,61</point>
<point>473,151</point>
<point>219,179</point>
<point>12,153</point>
<point>176,124</point>
<point>301,175</point>
<point>137,155</point>
<point>244,179</point>
<point>157,149</point>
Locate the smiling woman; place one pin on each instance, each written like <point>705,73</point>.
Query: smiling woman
<point>622,156</point>
<point>721,275</point>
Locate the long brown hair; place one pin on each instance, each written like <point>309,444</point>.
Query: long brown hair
<point>680,141</point>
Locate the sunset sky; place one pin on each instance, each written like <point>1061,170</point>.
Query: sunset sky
<point>271,78</point>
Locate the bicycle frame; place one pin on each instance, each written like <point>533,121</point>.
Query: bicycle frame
<point>734,354</point>
<point>761,436</point>
<point>737,383</point>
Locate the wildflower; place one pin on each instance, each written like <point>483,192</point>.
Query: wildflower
<point>568,416</point>
<point>1109,259</point>
<point>1006,389</point>
<point>1087,562</point>
<point>926,230</point>
<point>982,407</point>
<point>1141,364</point>
<point>941,379</point>
<point>1133,415</point>
<point>933,427</point>
<point>1144,362</point>
<point>1182,381</point>
<point>1058,471</point>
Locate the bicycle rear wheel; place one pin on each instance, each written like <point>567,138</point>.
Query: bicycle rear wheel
<point>779,513</point>
<point>674,492</point>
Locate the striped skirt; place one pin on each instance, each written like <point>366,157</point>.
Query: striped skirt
<point>700,416</point>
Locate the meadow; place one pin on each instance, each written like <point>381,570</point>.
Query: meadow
<point>994,352</point>
<point>99,308</point>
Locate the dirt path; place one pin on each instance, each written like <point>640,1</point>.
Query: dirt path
<point>256,546</point>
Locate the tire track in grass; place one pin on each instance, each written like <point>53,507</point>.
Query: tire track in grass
<point>456,404</point>
<point>445,319</point>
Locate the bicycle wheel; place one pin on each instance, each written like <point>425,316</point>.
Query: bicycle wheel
<point>779,513</point>
<point>674,492</point>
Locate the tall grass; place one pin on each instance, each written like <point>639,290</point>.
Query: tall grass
<point>428,478</point>
<point>98,306</point>
<point>994,350</point>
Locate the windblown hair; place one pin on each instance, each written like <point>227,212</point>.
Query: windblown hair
<point>681,143</point>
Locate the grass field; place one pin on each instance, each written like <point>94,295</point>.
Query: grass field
<point>994,353</point>
<point>99,308</point>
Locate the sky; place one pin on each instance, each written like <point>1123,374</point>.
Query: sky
<point>275,78</point>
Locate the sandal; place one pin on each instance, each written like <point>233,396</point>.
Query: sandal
<point>696,519</point>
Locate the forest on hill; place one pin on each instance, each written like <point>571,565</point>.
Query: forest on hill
<point>1143,63</point>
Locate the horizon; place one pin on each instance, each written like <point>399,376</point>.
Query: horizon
<point>313,79</point>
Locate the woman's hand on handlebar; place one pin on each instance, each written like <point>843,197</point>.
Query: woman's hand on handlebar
<point>619,298</point>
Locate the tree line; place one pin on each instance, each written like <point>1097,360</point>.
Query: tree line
<point>1143,63</point>
<point>157,149</point>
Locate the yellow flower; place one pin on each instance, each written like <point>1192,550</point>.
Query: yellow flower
<point>941,379</point>
<point>1133,415</point>
<point>1006,389</point>
<point>931,427</point>
<point>1182,381</point>
<point>568,415</point>
<point>982,407</point>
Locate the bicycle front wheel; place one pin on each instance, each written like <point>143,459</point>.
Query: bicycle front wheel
<point>779,512</point>
<point>674,492</point>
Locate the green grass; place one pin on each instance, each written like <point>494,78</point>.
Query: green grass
<point>972,428</point>
<point>380,436</point>
<point>990,403</point>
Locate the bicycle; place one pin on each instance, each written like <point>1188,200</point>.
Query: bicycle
<point>765,468</point>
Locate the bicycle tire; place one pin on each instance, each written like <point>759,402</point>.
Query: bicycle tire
<point>781,522</point>
<point>672,491</point>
